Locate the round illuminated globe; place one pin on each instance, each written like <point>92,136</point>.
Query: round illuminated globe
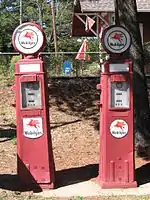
<point>116,39</point>
<point>28,38</point>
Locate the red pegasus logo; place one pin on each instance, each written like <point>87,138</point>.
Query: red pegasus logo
<point>33,123</point>
<point>120,125</point>
<point>29,35</point>
<point>117,36</point>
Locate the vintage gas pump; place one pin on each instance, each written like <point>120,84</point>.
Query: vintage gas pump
<point>35,163</point>
<point>116,167</point>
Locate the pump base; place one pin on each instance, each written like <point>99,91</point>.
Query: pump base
<point>36,187</point>
<point>109,185</point>
<point>47,186</point>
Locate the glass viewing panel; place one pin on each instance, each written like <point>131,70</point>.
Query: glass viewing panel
<point>31,94</point>
<point>119,95</point>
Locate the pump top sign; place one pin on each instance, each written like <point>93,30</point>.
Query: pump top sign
<point>28,38</point>
<point>116,39</point>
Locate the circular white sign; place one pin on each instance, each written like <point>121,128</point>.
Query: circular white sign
<point>28,38</point>
<point>32,127</point>
<point>116,39</point>
<point>119,128</point>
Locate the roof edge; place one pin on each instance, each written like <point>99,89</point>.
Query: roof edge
<point>111,10</point>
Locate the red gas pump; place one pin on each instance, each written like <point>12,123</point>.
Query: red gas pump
<point>116,167</point>
<point>35,164</point>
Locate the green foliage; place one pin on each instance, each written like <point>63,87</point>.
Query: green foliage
<point>12,66</point>
<point>9,19</point>
<point>67,44</point>
<point>92,69</point>
<point>64,18</point>
<point>77,198</point>
<point>52,62</point>
<point>39,11</point>
<point>14,141</point>
<point>4,64</point>
<point>36,10</point>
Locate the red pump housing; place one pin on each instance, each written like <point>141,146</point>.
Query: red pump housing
<point>116,167</point>
<point>34,146</point>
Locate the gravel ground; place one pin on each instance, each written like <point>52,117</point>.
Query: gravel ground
<point>74,121</point>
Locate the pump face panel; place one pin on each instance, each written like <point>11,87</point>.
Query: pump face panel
<point>31,94</point>
<point>119,95</point>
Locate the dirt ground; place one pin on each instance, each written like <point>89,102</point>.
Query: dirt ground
<point>74,119</point>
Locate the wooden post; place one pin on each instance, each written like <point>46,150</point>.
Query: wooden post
<point>54,34</point>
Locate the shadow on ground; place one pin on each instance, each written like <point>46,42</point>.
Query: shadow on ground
<point>12,183</point>
<point>142,174</point>
<point>76,175</point>
<point>7,134</point>
<point>60,124</point>
<point>76,96</point>
<point>71,176</point>
<point>63,178</point>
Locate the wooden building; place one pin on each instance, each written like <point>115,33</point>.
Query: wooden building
<point>102,12</point>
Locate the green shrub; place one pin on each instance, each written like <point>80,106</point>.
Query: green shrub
<point>12,66</point>
<point>4,64</point>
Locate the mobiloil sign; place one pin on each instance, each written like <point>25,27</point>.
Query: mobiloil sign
<point>116,167</point>
<point>35,163</point>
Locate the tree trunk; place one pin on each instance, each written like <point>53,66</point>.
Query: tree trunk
<point>126,15</point>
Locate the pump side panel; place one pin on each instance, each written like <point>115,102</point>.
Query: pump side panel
<point>34,146</point>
